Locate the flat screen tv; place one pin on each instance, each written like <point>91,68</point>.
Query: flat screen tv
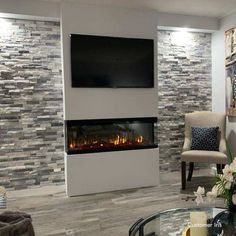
<point>111,62</point>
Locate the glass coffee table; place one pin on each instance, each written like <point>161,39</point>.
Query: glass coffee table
<point>170,223</point>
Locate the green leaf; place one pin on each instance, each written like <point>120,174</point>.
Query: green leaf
<point>229,153</point>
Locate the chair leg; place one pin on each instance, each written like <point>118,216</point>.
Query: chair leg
<point>190,172</point>
<point>219,168</point>
<point>183,174</point>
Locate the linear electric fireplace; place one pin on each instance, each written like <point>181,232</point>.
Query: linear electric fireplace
<point>86,136</point>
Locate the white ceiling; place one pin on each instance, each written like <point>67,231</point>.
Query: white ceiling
<point>211,8</point>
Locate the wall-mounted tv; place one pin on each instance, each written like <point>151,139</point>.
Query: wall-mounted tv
<point>111,62</point>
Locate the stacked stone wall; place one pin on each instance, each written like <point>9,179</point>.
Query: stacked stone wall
<point>184,85</point>
<point>31,108</point>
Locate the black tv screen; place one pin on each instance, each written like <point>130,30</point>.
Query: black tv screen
<point>111,62</point>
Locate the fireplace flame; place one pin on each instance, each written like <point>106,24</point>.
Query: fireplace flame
<point>72,145</point>
<point>140,139</point>
<point>119,140</point>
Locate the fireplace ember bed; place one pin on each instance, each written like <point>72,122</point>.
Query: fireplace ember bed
<point>103,135</point>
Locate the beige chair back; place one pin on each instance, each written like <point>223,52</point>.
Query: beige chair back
<point>204,119</point>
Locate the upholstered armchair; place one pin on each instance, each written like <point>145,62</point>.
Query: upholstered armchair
<point>219,157</point>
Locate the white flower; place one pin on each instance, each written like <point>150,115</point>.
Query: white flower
<point>212,194</point>
<point>200,192</point>
<point>234,199</point>
<point>199,198</point>
<point>215,190</point>
<point>227,173</point>
<point>228,185</point>
<point>233,166</point>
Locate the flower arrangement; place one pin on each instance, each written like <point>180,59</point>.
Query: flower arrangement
<point>225,187</point>
<point>222,187</point>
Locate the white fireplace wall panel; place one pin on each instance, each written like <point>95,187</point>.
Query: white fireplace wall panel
<point>99,172</point>
<point>100,103</point>
<point>109,171</point>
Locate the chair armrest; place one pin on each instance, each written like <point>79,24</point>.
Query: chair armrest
<point>222,146</point>
<point>187,144</point>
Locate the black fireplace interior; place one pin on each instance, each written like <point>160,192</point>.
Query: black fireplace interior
<point>86,136</point>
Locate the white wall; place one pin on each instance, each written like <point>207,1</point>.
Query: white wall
<point>186,21</point>
<point>27,8</point>
<point>218,76</point>
<point>39,8</point>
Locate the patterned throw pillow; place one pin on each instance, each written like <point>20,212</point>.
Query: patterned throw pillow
<point>205,138</point>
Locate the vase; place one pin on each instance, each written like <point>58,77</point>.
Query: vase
<point>224,224</point>
<point>230,204</point>
<point>231,207</point>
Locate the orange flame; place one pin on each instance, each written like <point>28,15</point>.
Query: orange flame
<point>140,139</point>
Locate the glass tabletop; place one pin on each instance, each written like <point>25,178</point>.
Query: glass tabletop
<point>172,222</point>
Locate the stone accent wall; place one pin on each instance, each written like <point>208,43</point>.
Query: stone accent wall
<point>31,108</point>
<point>184,85</point>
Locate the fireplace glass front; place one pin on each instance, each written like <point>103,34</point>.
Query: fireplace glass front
<point>86,136</point>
